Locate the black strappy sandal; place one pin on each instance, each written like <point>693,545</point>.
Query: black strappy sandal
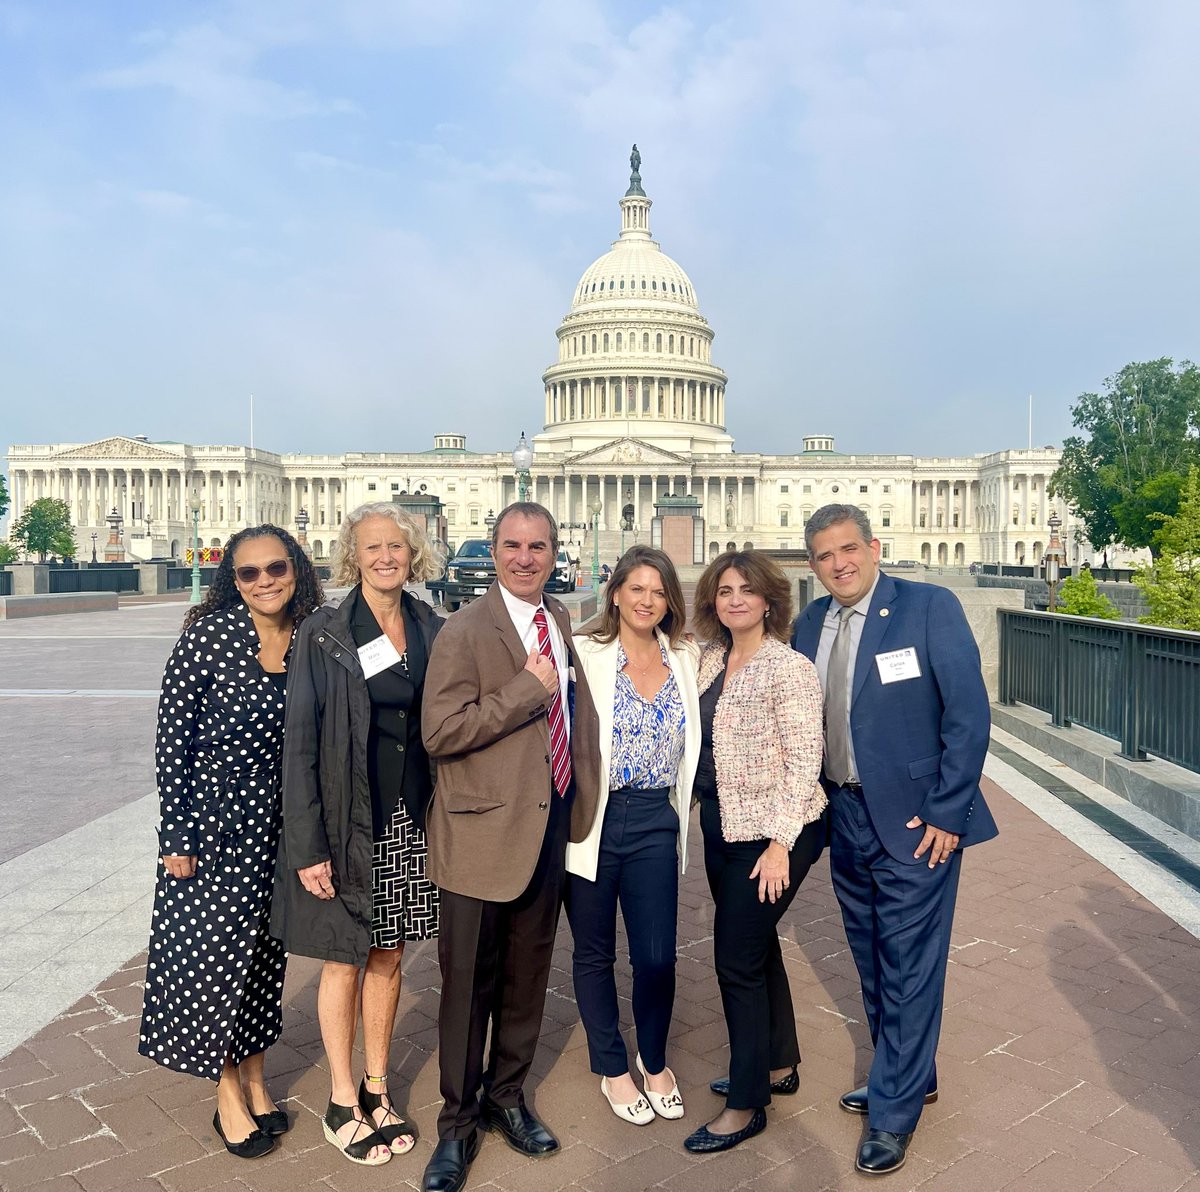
<point>357,1149</point>
<point>390,1132</point>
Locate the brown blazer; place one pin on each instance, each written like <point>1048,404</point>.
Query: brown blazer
<point>484,720</point>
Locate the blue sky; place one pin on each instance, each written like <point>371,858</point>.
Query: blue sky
<point>900,218</point>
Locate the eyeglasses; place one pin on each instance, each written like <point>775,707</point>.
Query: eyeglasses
<point>276,569</point>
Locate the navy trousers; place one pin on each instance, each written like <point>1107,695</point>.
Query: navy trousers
<point>754,986</point>
<point>639,869</point>
<point>897,918</point>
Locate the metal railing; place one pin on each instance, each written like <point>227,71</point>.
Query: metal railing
<point>1137,684</point>
<point>6,583</point>
<point>94,579</point>
<point>179,578</point>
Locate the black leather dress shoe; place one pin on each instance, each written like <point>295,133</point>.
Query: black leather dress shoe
<point>882,1152</point>
<point>447,1167</point>
<point>522,1131</point>
<point>704,1141</point>
<point>785,1086</point>
<point>855,1101</point>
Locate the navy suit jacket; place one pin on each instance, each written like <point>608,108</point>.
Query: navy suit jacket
<point>919,743</point>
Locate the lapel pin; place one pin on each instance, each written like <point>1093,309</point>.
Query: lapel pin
<point>883,612</point>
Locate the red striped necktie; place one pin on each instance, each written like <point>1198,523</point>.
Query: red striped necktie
<point>560,748</point>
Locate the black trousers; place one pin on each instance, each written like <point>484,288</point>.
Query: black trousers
<point>749,961</point>
<point>495,962</point>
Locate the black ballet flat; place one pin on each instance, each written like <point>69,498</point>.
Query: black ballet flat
<point>274,1123</point>
<point>785,1086</point>
<point>704,1141</point>
<point>253,1146</point>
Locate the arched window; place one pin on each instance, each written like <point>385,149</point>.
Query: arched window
<point>670,343</point>
<point>654,285</point>
<point>645,341</point>
<point>593,343</point>
<point>658,343</point>
<point>622,283</point>
<point>606,341</point>
<point>620,341</point>
<point>643,283</point>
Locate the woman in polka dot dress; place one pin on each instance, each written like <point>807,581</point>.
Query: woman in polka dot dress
<point>214,977</point>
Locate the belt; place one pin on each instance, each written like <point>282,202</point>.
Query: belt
<point>853,787</point>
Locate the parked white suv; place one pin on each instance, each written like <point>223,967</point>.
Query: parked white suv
<point>566,572</point>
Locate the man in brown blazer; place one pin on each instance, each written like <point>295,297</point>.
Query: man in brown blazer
<point>510,722</point>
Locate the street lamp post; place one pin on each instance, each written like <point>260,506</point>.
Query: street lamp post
<point>94,536</point>
<point>596,506</point>
<point>1054,555</point>
<point>302,529</point>
<point>195,507</point>
<point>522,458</point>
<point>490,522</point>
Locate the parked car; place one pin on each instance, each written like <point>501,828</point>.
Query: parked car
<point>469,573</point>
<point>566,572</point>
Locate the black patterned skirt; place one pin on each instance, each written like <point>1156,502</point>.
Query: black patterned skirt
<point>404,903</point>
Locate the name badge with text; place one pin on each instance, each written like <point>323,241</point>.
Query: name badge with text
<point>377,656</point>
<point>898,665</point>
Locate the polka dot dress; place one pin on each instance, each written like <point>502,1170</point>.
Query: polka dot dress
<point>214,977</point>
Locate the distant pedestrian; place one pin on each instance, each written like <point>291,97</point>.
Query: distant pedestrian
<point>214,977</point>
<point>351,885</point>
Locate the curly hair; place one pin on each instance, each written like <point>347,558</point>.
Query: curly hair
<point>223,594</point>
<point>674,619</point>
<point>426,563</point>
<point>765,578</point>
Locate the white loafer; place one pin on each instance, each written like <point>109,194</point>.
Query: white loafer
<point>666,1105</point>
<point>638,1111</point>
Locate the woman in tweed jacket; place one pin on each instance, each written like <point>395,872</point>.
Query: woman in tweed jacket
<point>761,811</point>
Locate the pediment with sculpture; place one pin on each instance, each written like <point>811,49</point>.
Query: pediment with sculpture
<point>627,452</point>
<point>119,447</point>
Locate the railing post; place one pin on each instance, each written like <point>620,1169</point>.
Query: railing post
<point>1004,642</point>
<point>1058,673</point>
<point>1133,694</point>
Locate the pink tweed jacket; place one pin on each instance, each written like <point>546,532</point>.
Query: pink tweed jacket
<point>768,738</point>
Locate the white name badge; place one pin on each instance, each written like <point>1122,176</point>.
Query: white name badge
<point>897,665</point>
<point>377,656</point>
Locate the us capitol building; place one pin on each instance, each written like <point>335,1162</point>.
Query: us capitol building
<point>634,418</point>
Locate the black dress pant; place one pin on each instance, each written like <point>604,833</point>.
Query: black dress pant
<point>749,961</point>
<point>495,962</point>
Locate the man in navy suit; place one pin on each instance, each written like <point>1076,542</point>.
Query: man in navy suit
<point>906,734</point>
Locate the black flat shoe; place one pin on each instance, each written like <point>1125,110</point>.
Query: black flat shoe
<point>882,1152</point>
<point>785,1086</point>
<point>274,1123</point>
<point>394,1127</point>
<point>704,1141</point>
<point>855,1101</point>
<point>253,1146</point>
<point>447,1167</point>
<point>520,1128</point>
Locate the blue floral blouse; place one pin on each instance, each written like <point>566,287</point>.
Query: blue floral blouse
<point>647,740</point>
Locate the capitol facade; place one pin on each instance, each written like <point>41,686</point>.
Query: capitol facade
<point>634,414</point>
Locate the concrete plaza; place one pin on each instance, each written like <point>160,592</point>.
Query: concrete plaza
<point>1069,1056</point>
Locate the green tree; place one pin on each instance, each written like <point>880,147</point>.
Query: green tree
<point>1130,464</point>
<point>3,497</point>
<point>8,554</point>
<point>1080,596</point>
<point>1171,582</point>
<point>41,526</point>
<point>64,545</point>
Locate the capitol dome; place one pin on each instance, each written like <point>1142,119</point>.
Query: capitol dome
<point>634,351</point>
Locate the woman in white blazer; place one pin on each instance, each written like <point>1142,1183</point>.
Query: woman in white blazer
<point>642,674</point>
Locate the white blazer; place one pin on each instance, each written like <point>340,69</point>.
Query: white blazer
<point>600,668</point>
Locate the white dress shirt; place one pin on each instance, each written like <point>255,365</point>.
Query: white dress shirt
<point>522,614</point>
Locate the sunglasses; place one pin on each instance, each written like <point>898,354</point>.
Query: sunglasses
<point>276,569</point>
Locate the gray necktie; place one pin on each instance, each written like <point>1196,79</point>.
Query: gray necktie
<point>837,704</point>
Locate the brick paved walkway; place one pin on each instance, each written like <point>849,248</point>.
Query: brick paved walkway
<point>1069,1061</point>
